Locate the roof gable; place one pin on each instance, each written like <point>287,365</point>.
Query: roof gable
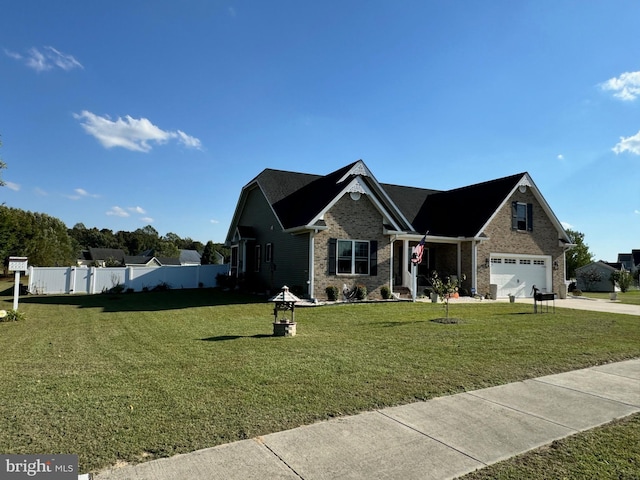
<point>299,201</point>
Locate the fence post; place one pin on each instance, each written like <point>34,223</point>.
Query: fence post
<point>92,280</point>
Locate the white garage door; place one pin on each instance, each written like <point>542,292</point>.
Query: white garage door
<point>517,274</point>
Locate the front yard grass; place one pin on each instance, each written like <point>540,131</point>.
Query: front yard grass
<point>134,377</point>
<point>610,451</point>
<point>630,297</point>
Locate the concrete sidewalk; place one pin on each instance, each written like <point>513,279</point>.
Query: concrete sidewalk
<point>437,439</point>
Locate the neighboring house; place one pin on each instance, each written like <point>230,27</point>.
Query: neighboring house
<point>596,276</point>
<point>146,261</point>
<point>100,257</point>
<point>631,261</point>
<point>141,261</point>
<point>189,257</point>
<point>313,231</point>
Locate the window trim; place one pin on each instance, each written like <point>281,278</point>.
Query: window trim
<point>268,252</point>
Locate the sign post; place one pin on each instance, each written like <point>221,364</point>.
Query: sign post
<point>17,264</point>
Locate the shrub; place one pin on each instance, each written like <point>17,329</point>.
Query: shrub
<point>385,292</point>
<point>226,281</point>
<point>11,316</point>
<point>577,292</point>
<point>116,289</point>
<point>361,292</point>
<point>162,287</point>
<point>332,293</point>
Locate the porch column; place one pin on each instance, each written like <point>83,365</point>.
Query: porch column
<point>406,274</point>
<point>391,258</point>
<point>474,265</point>
<point>312,255</point>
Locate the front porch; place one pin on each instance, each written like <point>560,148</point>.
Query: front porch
<point>446,256</point>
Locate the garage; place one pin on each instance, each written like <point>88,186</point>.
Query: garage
<point>517,274</point>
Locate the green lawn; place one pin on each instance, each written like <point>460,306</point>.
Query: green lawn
<point>631,297</point>
<point>608,452</point>
<point>145,375</point>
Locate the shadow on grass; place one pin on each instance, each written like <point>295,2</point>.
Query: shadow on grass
<point>223,338</point>
<point>145,301</point>
<point>400,323</point>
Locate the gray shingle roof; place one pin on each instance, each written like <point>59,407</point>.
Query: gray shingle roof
<point>297,198</point>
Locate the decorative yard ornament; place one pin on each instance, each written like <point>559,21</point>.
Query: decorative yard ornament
<point>284,324</point>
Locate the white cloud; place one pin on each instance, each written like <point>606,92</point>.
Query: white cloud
<point>62,60</point>
<point>637,212</point>
<point>130,133</point>
<point>625,87</point>
<point>12,186</point>
<point>139,210</point>
<point>48,59</point>
<point>566,225</point>
<point>629,144</point>
<point>560,157</point>
<point>80,193</point>
<point>188,140</point>
<point>118,212</point>
<point>146,220</point>
<point>40,191</point>
<point>215,222</point>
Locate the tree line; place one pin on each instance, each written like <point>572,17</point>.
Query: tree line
<point>47,241</point>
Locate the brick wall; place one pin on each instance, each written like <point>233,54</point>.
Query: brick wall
<point>543,240</point>
<point>351,220</point>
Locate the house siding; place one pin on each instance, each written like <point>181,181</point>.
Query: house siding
<point>542,240</point>
<point>355,220</point>
<point>272,276</point>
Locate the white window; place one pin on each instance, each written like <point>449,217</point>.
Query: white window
<point>353,257</point>
<point>539,262</point>
<point>496,260</point>
<point>525,261</point>
<point>511,261</point>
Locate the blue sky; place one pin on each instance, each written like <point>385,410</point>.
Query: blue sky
<point>131,113</point>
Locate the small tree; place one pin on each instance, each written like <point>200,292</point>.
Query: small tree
<point>445,287</point>
<point>622,278</point>
<point>589,277</point>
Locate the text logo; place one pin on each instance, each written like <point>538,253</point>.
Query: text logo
<point>39,467</point>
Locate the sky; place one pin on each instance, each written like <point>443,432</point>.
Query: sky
<point>123,114</point>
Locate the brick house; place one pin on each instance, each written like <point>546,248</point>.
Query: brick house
<point>313,231</point>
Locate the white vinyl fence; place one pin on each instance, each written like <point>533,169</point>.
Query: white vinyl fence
<point>56,280</point>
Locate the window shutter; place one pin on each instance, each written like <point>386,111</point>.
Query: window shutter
<point>530,217</point>
<point>373,258</point>
<point>514,215</point>
<point>333,245</point>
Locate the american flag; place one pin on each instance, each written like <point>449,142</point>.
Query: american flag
<point>418,250</point>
